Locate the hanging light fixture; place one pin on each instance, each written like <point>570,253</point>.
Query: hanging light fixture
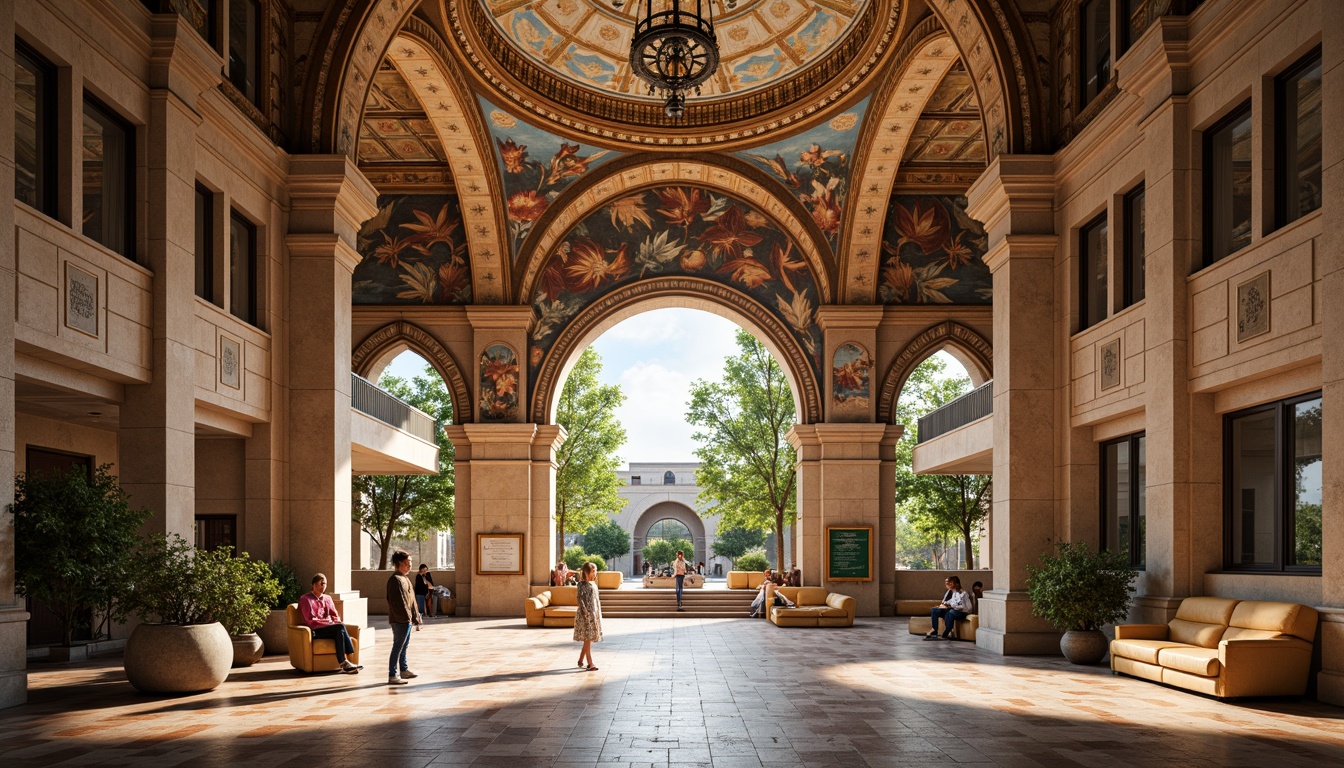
<point>674,48</point>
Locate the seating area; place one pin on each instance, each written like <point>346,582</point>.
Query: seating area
<point>921,624</point>
<point>552,607</point>
<point>1222,647</point>
<point>309,655</point>
<point>814,607</point>
<point>609,579</point>
<point>745,579</point>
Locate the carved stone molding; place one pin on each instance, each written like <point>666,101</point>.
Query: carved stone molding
<point>945,334</point>
<point>423,343</point>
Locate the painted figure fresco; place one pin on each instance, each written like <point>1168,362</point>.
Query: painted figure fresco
<point>499,384</point>
<point>815,166</point>
<point>531,184</point>
<point>932,253</point>
<point>676,230</point>
<point>850,388</point>
<point>414,252</point>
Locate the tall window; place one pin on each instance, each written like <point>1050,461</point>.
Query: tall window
<point>1132,14</point>
<point>205,244</point>
<point>1124,481</point>
<point>1274,486</point>
<point>1095,53</point>
<point>669,478</point>
<point>34,127</point>
<point>245,48</point>
<point>1298,183</point>
<point>242,269</point>
<point>1092,241</point>
<point>1135,247</point>
<point>1227,186</point>
<point>109,178</point>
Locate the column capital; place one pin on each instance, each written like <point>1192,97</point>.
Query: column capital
<point>846,317</point>
<point>840,440</point>
<point>181,61</point>
<point>1156,67</point>
<point>546,440</point>
<point>1015,195</point>
<point>329,194</point>
<point>1020,247</point>
<point>495,317</point>
<point>322,246</point>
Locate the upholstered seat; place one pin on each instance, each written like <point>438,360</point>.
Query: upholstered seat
<point>311,655</point>
<point>555,607</point>
<point>813,607</point>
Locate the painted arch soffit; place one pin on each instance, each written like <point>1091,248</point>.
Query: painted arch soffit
<point>403,334</point>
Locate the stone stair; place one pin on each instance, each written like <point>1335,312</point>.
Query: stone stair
<point>662,604</point>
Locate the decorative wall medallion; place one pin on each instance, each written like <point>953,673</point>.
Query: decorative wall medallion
<point>850,387</point>
<point>81,300</point>
<point>499,384</point>
<point>1253,307</point>
<point>1110,364</point>
<point>230,362</point>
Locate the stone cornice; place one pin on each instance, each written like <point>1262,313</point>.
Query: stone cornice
<point>328,194</point>
<point>1157,67</point>
<point>181,61</point>
<point>842,317</point>
<point>500,318</point>
<point>1015,194</point>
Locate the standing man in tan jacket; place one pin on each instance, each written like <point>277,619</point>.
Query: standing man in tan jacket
<point>401,613</point>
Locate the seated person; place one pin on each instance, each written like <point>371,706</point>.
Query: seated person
<point>319,614</point>
<point>977,592</point>
<point>795,578</point>
<point>957,604</point>
<point>424,585</point>
<point>560,576</point>
<point>758,604</point>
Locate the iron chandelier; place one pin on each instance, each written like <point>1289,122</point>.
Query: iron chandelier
<point>674,48</point>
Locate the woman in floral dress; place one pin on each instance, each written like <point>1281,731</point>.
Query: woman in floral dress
<point>588,618</point>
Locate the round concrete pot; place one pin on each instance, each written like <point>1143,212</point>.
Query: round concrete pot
<point>247,649</point>
<point>1084,647</point>
<point>167,658</point>
<point>275,632</point>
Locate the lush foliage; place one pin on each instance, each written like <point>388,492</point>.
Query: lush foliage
<point>932,511</point>
<point>663,551</point>
<point>607,539</point>
<point>752,561</point>
<point>1079,589</point>
<point>573,557</point>
<point>389,506</point>
<point>249,590</point>
<point>734,542</point>
<point>596,560</point>
<point>73,544</point>
<point>586,484</point>
<point>175,583</point>
<point>747,467</point>
<point>291,589</point>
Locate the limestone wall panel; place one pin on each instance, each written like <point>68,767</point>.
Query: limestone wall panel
<point>1102,389</point>
<point>243,391</point>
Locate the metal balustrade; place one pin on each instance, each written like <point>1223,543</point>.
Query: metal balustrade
<point>976,404</point>
<point>367,398</point>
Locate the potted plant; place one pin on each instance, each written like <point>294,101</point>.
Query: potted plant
<point>275,632</point>
<point>74,540</point>
<point>1078,591</point>
<point>244,590</point>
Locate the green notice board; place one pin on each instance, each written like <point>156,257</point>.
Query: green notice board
<point>849,553</point>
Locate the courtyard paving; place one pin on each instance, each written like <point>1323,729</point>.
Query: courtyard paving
<point>680,692</point>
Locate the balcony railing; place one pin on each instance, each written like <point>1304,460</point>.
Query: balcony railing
<point>367,398</point>
<point>976,404</point>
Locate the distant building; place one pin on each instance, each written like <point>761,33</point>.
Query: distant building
<point>659,491</point>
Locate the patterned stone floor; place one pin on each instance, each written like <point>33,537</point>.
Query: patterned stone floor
<point>684,692</point>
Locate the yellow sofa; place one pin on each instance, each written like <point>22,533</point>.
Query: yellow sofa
<point>609,579</point>
<point>311,655</point>
<point>553,608</point>
<point>1222,647</point>
<point>815,607</point>
<point>745,579</point>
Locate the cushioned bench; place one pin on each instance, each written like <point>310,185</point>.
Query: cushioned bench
<point>1222,647</point>
<point>309,655</point>
<point>745,579</point>
<point>553,608</point>
<point>964,629</point>
<point>815,607</point>
<point>609,579</point>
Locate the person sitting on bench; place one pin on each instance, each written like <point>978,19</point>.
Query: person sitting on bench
<point>957,604</point>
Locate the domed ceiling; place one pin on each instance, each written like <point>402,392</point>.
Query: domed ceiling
<point>761,42</point>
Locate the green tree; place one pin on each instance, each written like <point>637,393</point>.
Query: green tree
<point>664,551</point>
<point>747,467</point>
<point>388,506</point>
<point>607,539</point>
<point>573,557</point>
<point>733,542</point>
<point>586,484</point>
<point>754,560</point>
<point>936,506</point>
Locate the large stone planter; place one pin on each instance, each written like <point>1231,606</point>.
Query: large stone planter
<point>166,658</point>
<point>1084,647</point>
<point>275,633</point>
<point>247,649</point>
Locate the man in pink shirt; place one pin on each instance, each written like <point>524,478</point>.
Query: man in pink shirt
<point>319,613</point>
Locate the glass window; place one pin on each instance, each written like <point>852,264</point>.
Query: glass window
<point>34,127</point>
<point>1093,266</point>
<point>634,479</point>
<point>1133,14</point>
<point>245,48</point>
<point>1298,186</point>
<point>1095,16</point>
<point>1227,186</point>
<point>1135,247</point>
<point>1124,484</point>
<point>205,244</point>
<point>109,178</point>
<point>669,478</point>
<point>1274,486</point>
<point>242,269</point>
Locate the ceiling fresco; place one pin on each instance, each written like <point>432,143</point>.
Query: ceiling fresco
<point>761,42</point>
<point>413,252</point>
<point>950,129</point>
<point>395,128</point>
<point>933,253</point>
<point>815,167</point>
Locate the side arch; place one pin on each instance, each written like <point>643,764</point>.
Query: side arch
<point>379,347</point>
<point>966,345</point>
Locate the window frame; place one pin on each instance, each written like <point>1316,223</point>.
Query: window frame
<point>258,48</point>
<point>1281,150</point>
<point>114,118</point>
<point>1138,550</point>
<point>1282,491</point>
<point>1134,262</point>
<point>1241,112</point>
<point>46,118</point>
<point>205,262</point>
<point>669,478</point>
<point>253,267</point>
<point>1085,273</point>
<point>1085,66</point>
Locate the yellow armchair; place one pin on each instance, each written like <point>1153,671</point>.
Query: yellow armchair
<point>311,655</point>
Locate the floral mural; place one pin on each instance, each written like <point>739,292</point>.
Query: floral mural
<point>850,389</point>
<point>532,183</point>
<point>413,252</point>
<point>499,384</point>
<point>932,253</point>
<point>683,231</point>
<point>814,166</point>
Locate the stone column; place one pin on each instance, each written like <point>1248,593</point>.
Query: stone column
<point>158,420</point>
<point>1014,198</point>
<point>329,200</point>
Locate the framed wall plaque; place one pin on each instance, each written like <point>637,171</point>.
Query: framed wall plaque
<point>1110,364</point>
<point>81,300</point>
<point>849,553</point>
<point>1253,307</point>
<point>499,554</point>
<point>230,362</point>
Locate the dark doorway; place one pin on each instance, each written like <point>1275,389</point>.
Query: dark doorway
<point>43,626</point>
<point>214,531</point>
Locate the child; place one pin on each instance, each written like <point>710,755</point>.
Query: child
<point>588,618</point>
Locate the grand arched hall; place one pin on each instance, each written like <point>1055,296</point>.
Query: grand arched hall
<point>230,216</point>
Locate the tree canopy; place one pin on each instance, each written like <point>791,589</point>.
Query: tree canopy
<point>388,506</point>
<point>734,542</point>
<point>664,551</point>
<point>607,539</point>
<point>747,467</point>
<point>586,484</point>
